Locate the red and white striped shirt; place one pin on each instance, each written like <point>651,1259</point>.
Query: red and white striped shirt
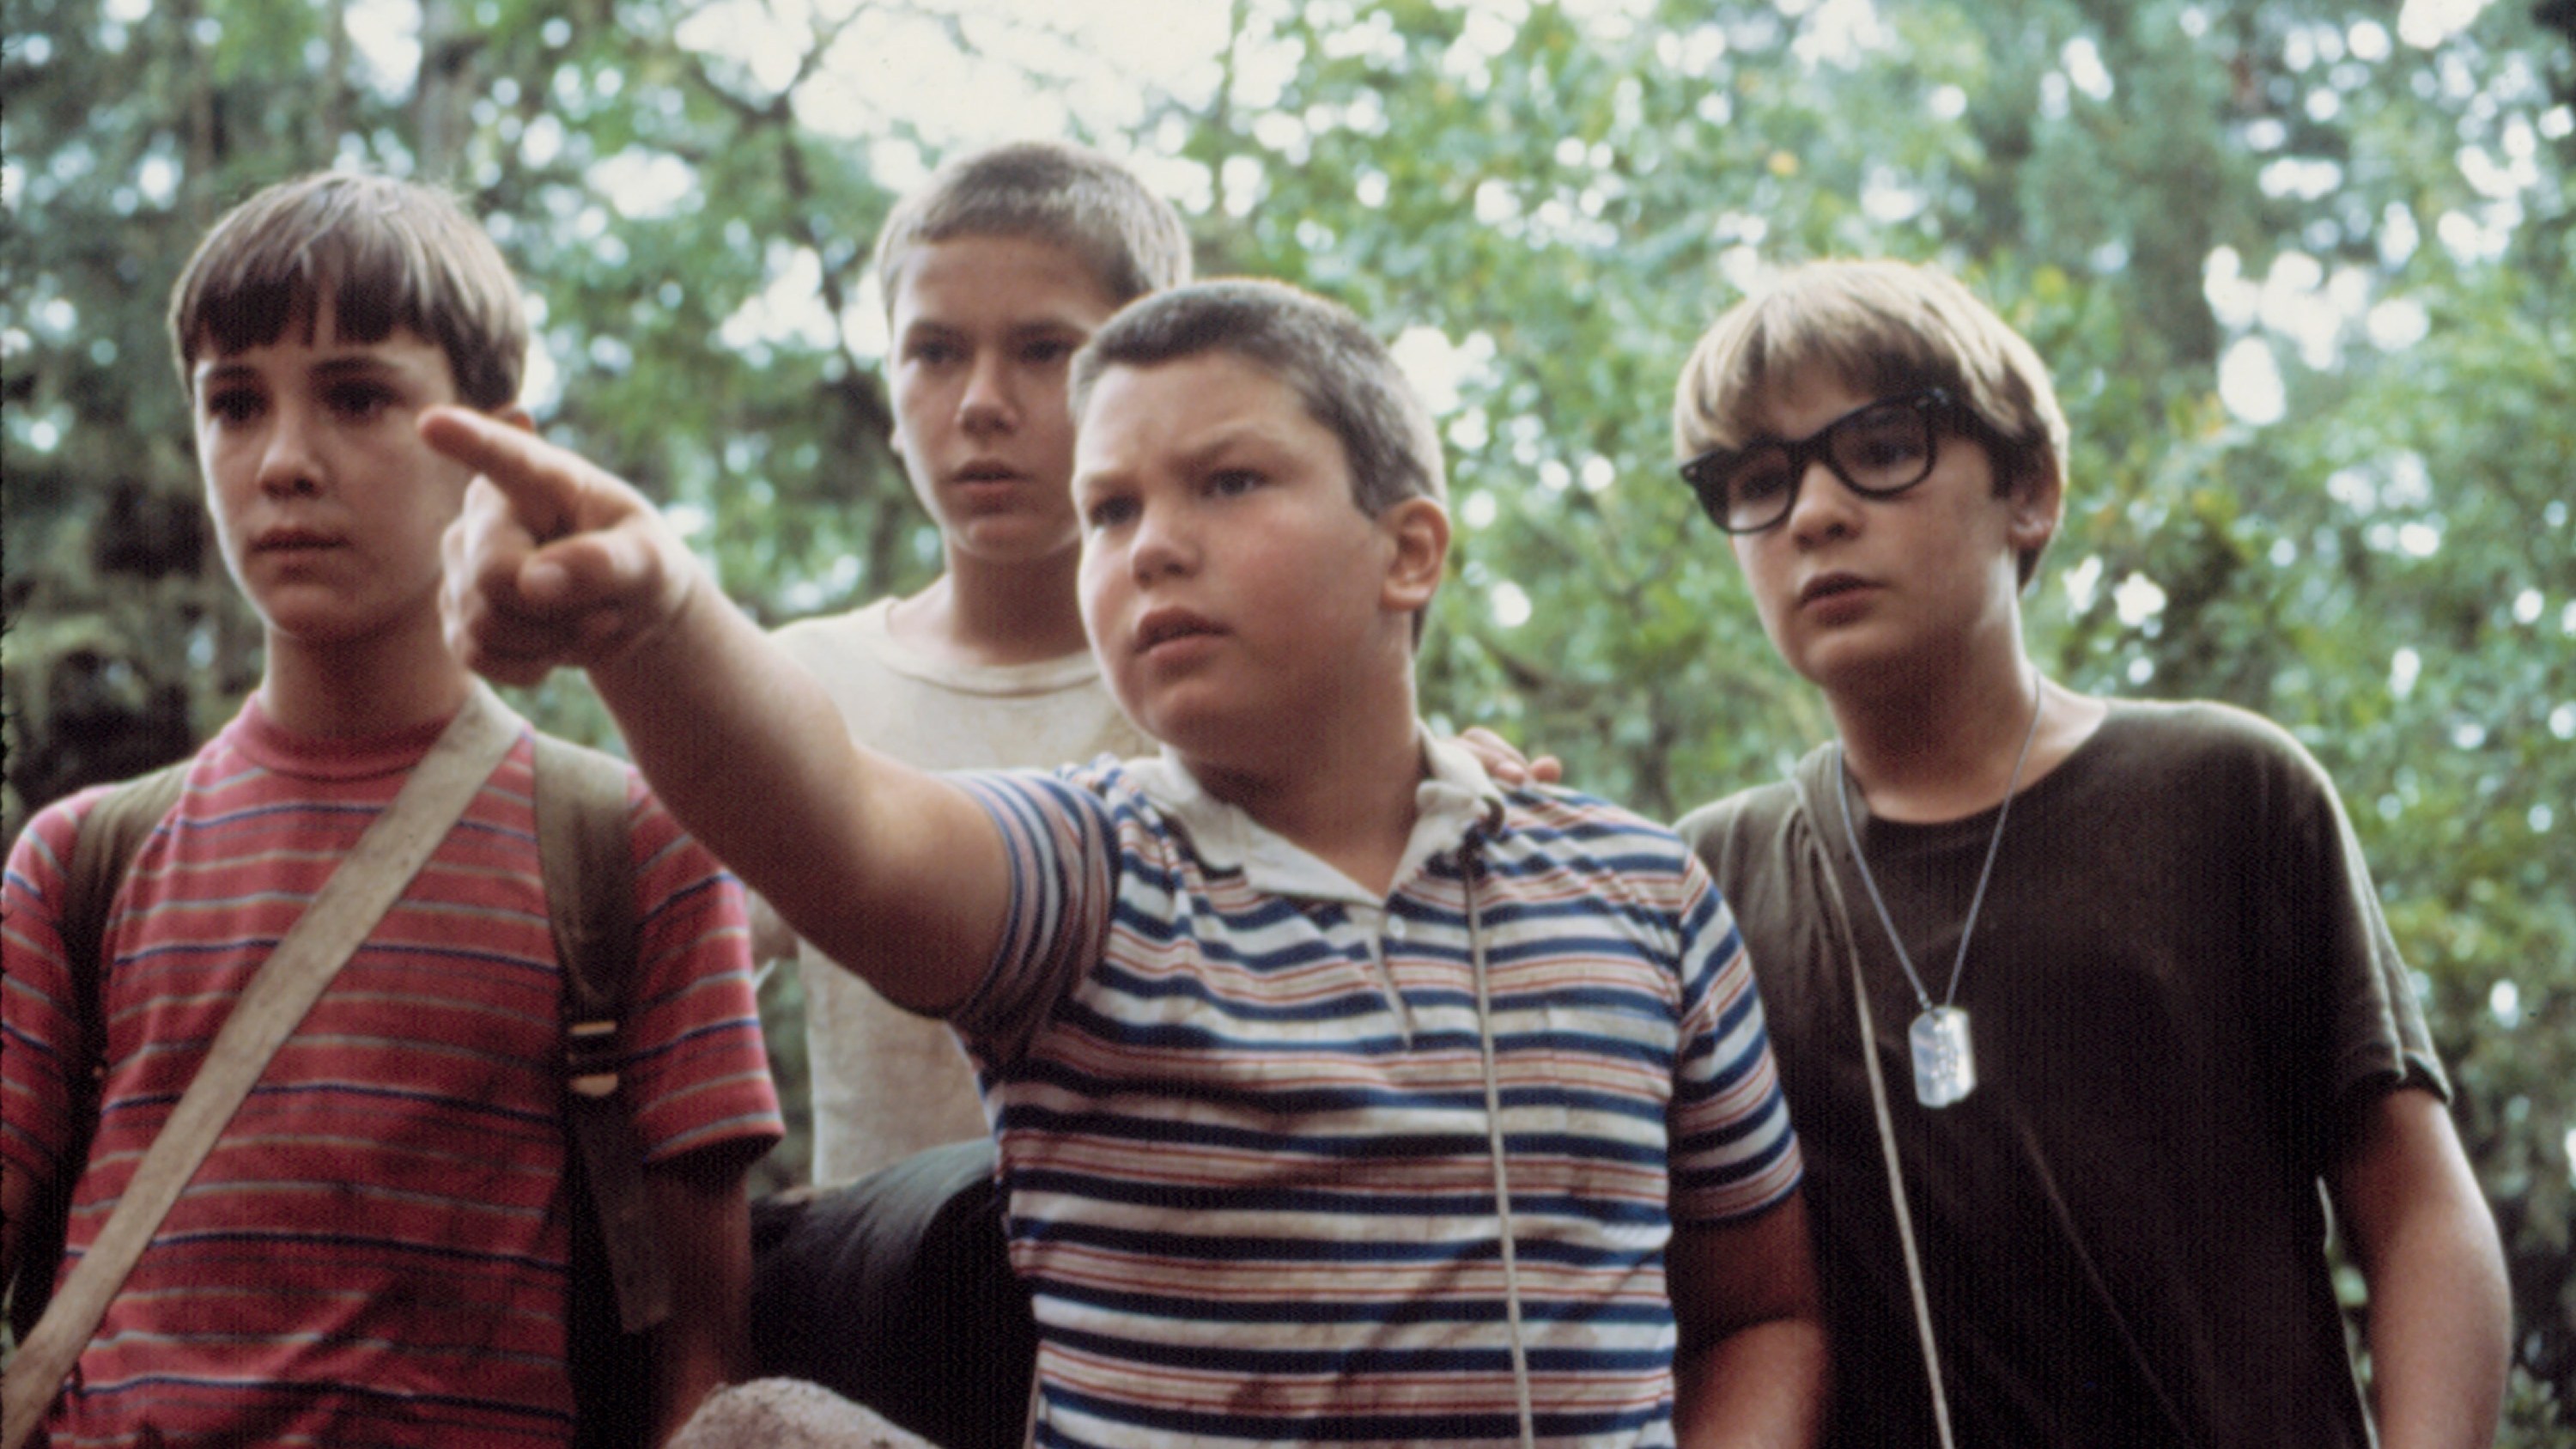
<point>376,1249</point>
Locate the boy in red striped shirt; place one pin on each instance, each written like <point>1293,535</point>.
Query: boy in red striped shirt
<point>378,1247</point>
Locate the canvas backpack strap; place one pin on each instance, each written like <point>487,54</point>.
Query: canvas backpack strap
<point>111,836</point>
<point>1815,776</point>
<point>590,897</point>
<point>360,891</point>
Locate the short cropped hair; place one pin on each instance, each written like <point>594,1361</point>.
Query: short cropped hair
<point>1880,328</point>
<point>387,253</point>
<point>1344,375</point>
<point>1131,240</point>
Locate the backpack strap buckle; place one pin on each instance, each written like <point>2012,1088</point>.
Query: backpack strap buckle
<point>590,1057</point>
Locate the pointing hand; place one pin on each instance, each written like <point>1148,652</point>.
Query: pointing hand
<point>553,561</point>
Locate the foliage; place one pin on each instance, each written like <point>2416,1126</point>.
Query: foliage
<point>2386,569</point>
<point>1544,203</point>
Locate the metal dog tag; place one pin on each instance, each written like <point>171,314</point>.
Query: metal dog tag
<point>1945,1068</point>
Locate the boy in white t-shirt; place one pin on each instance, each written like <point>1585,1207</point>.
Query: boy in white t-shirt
<point>994,272</point>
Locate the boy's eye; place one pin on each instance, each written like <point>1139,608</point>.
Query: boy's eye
<point>1887,452</point>
<point>1109,512</point>
<point>1233,482</point>
<point>1887,442</point>
<point>231,404</point>
<point>1046,351</point>
<point>934,351</point>
<point>1760,477</point>
<point>359,401</point>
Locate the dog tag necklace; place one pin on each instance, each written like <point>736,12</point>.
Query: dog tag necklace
<point>1945,1064</point>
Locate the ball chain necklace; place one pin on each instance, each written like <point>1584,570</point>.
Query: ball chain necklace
<point>1945,1066</point>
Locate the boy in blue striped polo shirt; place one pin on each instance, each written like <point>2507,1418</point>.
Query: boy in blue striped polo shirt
<point>1341,1094</point>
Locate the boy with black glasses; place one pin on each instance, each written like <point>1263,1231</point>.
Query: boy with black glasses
<point>2122,962</point>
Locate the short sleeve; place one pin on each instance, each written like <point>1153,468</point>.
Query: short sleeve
<point>1061,847</point>
<point>2330,951</point>
<point>697,1072</point>
<point>39,1017</point>
<point>1734,1153</point>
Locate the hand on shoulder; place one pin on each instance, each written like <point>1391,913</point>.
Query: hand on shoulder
<point>1505,762</point>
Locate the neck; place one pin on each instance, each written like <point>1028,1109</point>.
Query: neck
<point>981,613</point>
<point>1946,748</point>
<point>370,687</point>
<point>1346,796</point>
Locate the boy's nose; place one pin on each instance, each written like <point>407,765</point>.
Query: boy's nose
<point>288,463</point>
<point>1823,508</point>
<point>1162,545</point>
<point>987,405</point>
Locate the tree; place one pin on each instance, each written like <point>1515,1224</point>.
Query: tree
<point>2302,269</point>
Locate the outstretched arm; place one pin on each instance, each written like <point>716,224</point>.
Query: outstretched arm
<point>1751,1370</point>
<point>894,873</point>
<point>2440,1321</point>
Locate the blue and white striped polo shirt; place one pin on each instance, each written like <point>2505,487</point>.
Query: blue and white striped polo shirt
<point>1243,1112</point>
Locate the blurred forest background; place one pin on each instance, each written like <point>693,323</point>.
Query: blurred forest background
<point>2304,270</point>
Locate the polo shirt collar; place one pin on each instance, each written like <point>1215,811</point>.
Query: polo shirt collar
<point>1455,796</point>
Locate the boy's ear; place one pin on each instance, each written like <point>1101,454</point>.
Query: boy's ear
<point>2037,497</point>
<point>1419,530</point>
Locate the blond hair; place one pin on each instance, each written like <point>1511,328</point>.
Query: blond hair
<point>1880,328</point>
<point>1130,240</point>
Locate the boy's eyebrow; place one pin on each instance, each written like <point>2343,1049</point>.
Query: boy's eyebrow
<point>1265,431</point>
<point>341,365</point>
<point>215,370</point>
<point>1016,331</point>
<point>1229,436</point>
<point>359,364</point>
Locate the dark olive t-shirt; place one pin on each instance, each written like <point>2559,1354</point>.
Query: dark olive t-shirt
<point>2181,991</point>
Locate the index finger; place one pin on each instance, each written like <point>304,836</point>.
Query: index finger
<point>551,491</point>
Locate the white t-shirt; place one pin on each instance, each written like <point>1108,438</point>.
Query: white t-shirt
<point>887,1083</point>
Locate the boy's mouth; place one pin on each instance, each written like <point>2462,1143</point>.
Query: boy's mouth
<point>984,472</point>
<point>1162,626</point>
<point>293,540</point>
<point>1826,586</point>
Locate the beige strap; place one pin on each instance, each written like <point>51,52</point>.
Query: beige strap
<point>349,905</point>
<point>1839,916</point>
<point>1896,1192</point>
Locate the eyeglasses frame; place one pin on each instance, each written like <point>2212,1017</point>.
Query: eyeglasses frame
<point>1700,472</point>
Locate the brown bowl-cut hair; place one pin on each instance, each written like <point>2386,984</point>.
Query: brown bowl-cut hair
<point>384,254</point>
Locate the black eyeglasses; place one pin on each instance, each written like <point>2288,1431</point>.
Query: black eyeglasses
<point>1878,451</point>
